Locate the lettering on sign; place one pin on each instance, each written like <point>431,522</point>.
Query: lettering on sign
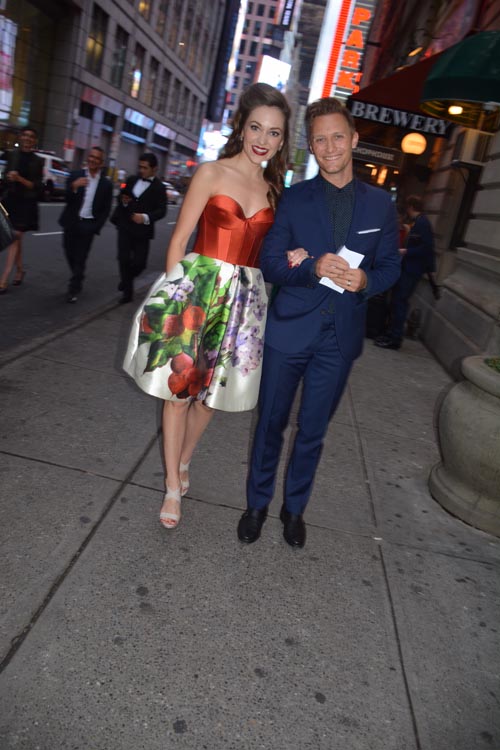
<point>344,68</point>
<point>400,118</point>
<point>286,16</point>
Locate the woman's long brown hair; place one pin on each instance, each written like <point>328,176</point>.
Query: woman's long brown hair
<point>262,95</point>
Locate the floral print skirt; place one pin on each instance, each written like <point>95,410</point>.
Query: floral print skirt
<point>199,335</point>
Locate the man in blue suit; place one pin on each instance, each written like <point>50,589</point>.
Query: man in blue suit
<point>315,332</point>
<point>418,259</point>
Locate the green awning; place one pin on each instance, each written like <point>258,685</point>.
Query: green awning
<point>467,75</point>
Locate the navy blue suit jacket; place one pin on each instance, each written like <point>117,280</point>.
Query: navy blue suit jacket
<point>419,256</point>
<point>302,220</point>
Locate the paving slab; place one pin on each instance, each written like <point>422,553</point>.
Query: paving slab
<point>448,615</point>
<point>220,465</point>
<point>98,345</point>
<point>186,639</point>
<point>406,513</point>
<point>45,516</point>
<point>398,393</point>
<point>78,417</point>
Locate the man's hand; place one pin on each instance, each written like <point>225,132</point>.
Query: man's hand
<point>337,269</point>
<point>137,218</point>
<point>79,182</point>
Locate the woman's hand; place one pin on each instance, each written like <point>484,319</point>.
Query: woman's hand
<point>295,257</point>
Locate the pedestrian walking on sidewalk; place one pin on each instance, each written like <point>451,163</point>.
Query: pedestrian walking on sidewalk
<point>316,323</point>
<point>197,339</point>
<point>141,203</point>
<point>418,259</point>
<point>89,195</point>
<point>24,177</point>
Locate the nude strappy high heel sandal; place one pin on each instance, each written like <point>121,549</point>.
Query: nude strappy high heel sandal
<point>165,516</point>
<point>183,469</point>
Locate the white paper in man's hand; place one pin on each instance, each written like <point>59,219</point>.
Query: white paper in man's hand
<point>354,260</point>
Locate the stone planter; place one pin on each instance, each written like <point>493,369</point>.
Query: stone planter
<point>467,481</point>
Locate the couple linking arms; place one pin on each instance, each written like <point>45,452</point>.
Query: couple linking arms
<point>200,340</point>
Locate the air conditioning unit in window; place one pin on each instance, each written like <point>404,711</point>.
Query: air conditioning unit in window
<point>471,148</point>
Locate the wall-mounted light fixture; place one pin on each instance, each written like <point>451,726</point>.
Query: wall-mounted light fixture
<point>414,143</point>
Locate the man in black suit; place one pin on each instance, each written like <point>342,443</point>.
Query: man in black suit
<point>142,202</point>
<point>89,195</point>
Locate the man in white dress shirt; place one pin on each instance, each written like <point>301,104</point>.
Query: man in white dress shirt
<point>88,202</point>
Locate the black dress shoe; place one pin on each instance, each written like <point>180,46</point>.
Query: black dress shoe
<point>386,342</point>
<point>126,298</point>
<point>250,525</point>
<point>121,286</point>
<point>71,298</point>
<point>294,528</point>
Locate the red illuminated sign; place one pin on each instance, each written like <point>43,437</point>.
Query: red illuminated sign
<point>346,54</point>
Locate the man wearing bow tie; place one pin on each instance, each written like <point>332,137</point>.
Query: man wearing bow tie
<point>141,203</point>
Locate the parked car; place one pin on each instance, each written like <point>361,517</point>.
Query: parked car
<point>55,174</point>
<point>173,195</point>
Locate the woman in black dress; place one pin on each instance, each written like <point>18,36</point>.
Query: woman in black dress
<point>24,176</point>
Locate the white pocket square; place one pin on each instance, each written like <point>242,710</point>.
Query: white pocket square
<point>368,231</point>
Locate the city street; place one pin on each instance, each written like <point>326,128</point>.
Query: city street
<point>116,634</point>
<point>38,307</point>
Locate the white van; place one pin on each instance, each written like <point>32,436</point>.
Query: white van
<point>55,174</point>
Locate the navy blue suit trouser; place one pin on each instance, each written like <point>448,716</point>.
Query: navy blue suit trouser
<point>324,373</point>
<point>400,302</point>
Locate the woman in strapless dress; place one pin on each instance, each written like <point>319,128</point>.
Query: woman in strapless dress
<point>197,340</point>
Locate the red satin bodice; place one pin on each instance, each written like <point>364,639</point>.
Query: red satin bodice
<point>224,232</point>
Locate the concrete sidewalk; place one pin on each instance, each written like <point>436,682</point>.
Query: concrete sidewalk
<point>115,634</point>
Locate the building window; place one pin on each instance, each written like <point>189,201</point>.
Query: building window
<point>87,110</point>
<point>175,24</point>
<point>164,89</point>
<point>119,57</point>
<point>176,102</point>
<point>109,121</point>
<point>149,97</point>
<point>96,40</point>
<point>253,50</point>
<point>161,18</point>
<point>136,73</point>
<point>261,10</point>
<point>145,8</point>
<point>193,47</point>
<point>202,69</point>
<point>140,133</point>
